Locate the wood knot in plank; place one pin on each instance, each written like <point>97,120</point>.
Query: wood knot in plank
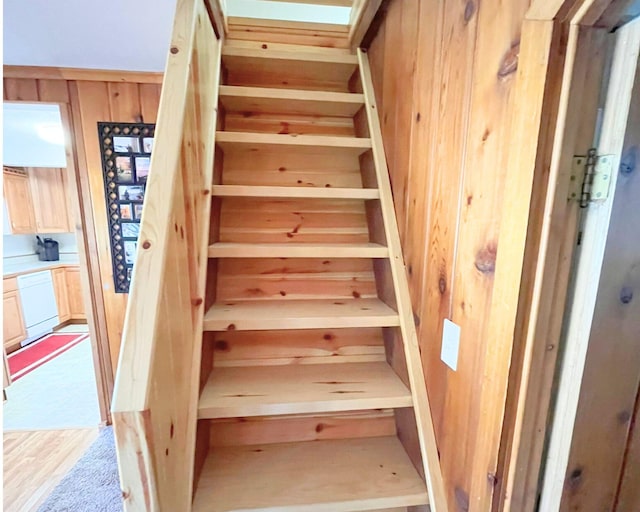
<point>624,417</point>
<point>509,63</point>
<point>221,346</point>
<point>174,50</point>
<point>575,478</point>
<point>197,301</point>
<point>146,244</point>
<point>469,11</point>
<point>462,499</point>
<point>626,295</point>
<point>285,128</point>
<point>486,258</point>
<point>442,284</point>
<point>629,161</point>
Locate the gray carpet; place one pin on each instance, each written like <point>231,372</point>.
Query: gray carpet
<point>92,485</point>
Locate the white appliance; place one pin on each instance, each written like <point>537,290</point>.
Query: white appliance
<point>38,304</point>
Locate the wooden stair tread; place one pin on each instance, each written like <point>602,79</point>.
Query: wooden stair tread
<point>296,250</point>
<point>267,100</point>
<point>315,144</point>
<point>296,192</point>
<point>319,476</point>
<point>301,55</point>
<point>301,389</point>
<point>299,314</point>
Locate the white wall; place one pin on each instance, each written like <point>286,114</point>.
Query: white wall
<point>25,245</point>
<point>32,135</point>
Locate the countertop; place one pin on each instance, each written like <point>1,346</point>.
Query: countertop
<point>12,267</point>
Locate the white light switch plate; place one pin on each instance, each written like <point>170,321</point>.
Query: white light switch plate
<point>450,344</point>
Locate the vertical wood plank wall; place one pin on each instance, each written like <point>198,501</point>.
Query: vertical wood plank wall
<point>445,106</point>
<point>92,102</point>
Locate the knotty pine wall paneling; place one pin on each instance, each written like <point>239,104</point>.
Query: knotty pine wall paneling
<point>91,102</point>
<point>445,105</point>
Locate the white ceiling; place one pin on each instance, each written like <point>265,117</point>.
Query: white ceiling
<point>119,34</point>
<point>129,35</point>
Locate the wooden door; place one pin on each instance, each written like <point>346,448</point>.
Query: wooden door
<point>62,296</point>
<point>17,194</point>
<point>590,451</point>
<point>76,297</point>
<point>13,323</point>
<point>48,189</point>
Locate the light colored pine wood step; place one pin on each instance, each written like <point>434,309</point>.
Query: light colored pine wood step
<point>298,68</point>
<point>320,476</point>
<point>302,55</point>
<point>297,250</point>
<point>301,389</point>
<point>267,100</point>
<point>258,315</point>
<point>312,144</point>
<point>294,192</point>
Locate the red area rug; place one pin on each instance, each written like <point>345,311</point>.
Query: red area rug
<point>38,353</point>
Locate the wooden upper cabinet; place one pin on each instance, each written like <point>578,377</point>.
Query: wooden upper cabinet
<point>17,194</point>
<point>49,193</point>
<point>74,291</point>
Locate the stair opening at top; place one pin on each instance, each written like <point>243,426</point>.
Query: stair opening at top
<point>310,11</point>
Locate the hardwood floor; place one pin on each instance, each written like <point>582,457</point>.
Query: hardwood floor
<point>35,461</point>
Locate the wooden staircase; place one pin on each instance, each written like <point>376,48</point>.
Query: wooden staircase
<point>307,388</point>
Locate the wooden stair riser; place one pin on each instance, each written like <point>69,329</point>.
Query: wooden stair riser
<point>282,220</point>
<point>300,347</point>
<point>261,167</point>
<point>300,428</point>
<point>294,279</point>
<point>264,67</point>
<point>261,100</point>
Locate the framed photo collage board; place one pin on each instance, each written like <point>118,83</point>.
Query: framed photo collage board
<point>126,154</point>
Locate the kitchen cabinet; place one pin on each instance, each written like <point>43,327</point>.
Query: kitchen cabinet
<point>18,200</point>
<point>13,324</point>
<point>59,276</point>
<point>74,291</point>
<point>49,195</point>
<point>6,375</point>
<point>36,200</point>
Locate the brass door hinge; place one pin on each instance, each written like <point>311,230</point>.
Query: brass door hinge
<point>590,178</point>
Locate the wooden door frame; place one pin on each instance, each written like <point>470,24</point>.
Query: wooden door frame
<point>79,198</point>
<point>587,272</point>
<point>560,39</point>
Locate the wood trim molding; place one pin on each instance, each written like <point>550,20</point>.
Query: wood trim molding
<point>98,75</point>
<point>89,276</point>
<point>218,17</point>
